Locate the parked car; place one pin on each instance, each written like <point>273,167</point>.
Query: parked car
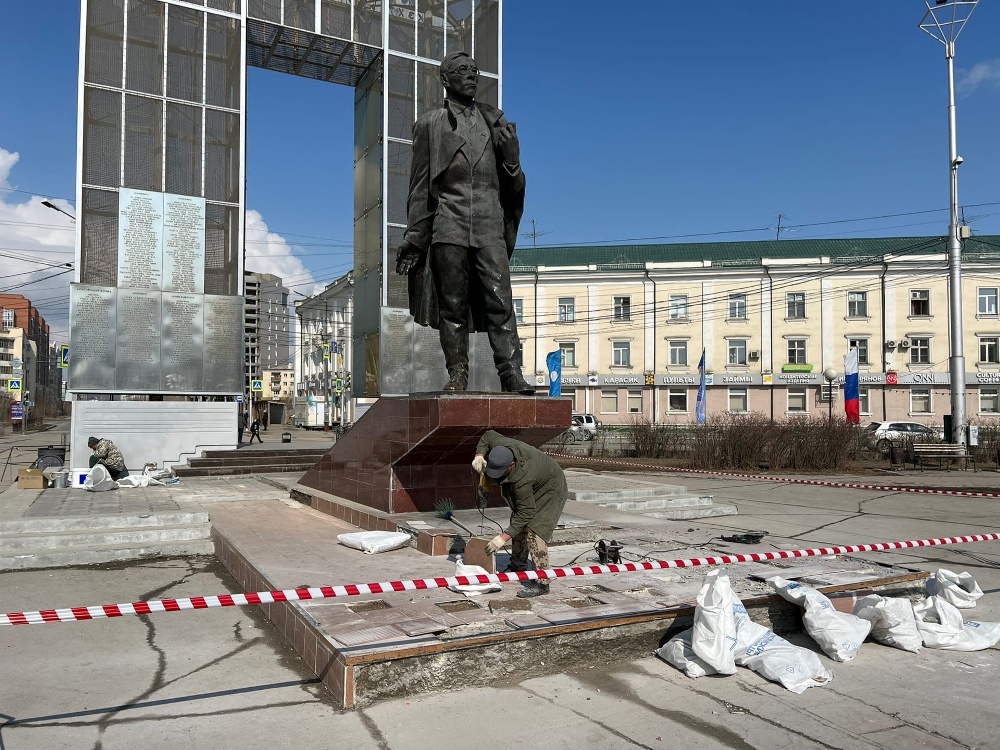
<point>585,432</point>
<point>589,421</point>
<point>882,435</point>
<point>576,433</point>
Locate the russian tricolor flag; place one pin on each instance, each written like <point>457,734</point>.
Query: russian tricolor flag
<point>851,395</point>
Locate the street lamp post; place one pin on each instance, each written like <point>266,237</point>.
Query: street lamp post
<point>54,207</point>
<point>944,20</point>
<point>830,374</point>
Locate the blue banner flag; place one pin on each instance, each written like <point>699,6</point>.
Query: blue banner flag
<point>553,361</point>
<point>699,407</point>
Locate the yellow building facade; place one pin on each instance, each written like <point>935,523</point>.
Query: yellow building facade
<point>631,324</point>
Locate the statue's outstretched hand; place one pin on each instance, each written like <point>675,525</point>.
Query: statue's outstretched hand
<point>509,145</point>
<point>407,258</point>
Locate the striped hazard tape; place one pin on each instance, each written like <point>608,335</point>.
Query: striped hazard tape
<point>75,614</point>
<point>787,480</point>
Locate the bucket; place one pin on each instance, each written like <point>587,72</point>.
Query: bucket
<point>61,479</point>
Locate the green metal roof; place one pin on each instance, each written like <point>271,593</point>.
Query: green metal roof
<point>747,253</point>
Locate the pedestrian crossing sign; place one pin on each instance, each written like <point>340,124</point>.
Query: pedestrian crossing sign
<point>257,386</point>
<point>64,356</point>
<point>14,385</point>
<point>339,386</point>
<point>326,351</point>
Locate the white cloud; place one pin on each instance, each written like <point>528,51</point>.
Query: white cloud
<point>986,73</point>
<point>269,252</point>
<point>36,243</point>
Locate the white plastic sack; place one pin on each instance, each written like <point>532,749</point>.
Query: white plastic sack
<point>372,542</point>
<point>839,634</point>
<point>941,626</point>
<point>98,479</point>
<point>892,621</point>
<point>713,636</point>
<point>678,653</point>
<point>138,480</point>
<point>473,589</point>
<point>958,589</point>
<point>774,658</point>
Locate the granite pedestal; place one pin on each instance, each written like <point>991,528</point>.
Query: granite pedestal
<point>408,453</point>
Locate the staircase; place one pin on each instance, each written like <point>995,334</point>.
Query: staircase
<point>217,463</point>
<point>668,501</point>
<point>55,542</point>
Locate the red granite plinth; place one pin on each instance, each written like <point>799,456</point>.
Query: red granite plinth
<point>406,453</point>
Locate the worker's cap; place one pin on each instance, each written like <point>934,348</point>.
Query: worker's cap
<point>92,441</point>
<point>497,461</point>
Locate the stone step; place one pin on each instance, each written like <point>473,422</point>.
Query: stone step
<point>102,554</point>
<point>683,514</point>
<point>251,459</point>
<point>87,538</point>
<point>626,493</point>
<point>265,453</point>
<point>110,521</point>
<point>660,503</point>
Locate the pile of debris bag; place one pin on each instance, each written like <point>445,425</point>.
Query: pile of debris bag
<point>724,637</point>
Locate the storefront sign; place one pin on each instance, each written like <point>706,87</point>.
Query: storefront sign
<point>677,380</point>
<point>796,368</point>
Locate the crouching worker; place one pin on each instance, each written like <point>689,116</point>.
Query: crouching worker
<point>107,454</point>
<point>534,487</point>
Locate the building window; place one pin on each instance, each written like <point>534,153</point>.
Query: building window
<point>737,307</point>
<point>519,310</point>
<point>568,351</point>
<point>864,400</point>
<point>678,353</point>
<point>737,352</point>
<point>623,308</point>
<point>570,393</point>
<point>634,402</point>
<point>609,402</point>
<point>677,307</point>
<point>920,351</point>
<point>795,305</point>
<point>862,346</point>
<point>988,353</point>
<point>8,318</point>
<point>920,401</point>
<point>567,309</point>
<point>622,351</point>
<point>987,300</point>
<point>920,303</point>
<point>796,351</point>
<point>677,400</point>
<point>857,304</point>
<point>797,400</point>
<point>738,400</point>
<point>989,400</point>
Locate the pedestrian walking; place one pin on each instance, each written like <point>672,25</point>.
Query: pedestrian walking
<point>264,419</point>
<point>241,425</point>
<point>255,431</point>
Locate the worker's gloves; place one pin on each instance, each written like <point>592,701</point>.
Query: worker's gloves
<point>479,464</point>
<point>496,544</point>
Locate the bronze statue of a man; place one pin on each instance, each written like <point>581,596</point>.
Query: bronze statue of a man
<point>465,203</point>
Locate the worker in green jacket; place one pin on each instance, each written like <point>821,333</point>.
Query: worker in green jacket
<point>534,487</point>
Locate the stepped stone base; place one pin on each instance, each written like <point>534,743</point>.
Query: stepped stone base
<point>408,453</point>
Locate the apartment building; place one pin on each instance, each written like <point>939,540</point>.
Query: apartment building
<point>266,324</point>
<point>632,323</point>
<point>324,356</point>
<point>17,312</point>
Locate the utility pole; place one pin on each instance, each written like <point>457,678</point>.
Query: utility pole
<point>944,21</point>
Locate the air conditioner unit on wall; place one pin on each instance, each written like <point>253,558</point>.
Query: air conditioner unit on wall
<point>890,344</point>
<point>904,343</point>
<point>754,354</point>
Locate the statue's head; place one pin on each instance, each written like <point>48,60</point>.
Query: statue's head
<point>460,76</point>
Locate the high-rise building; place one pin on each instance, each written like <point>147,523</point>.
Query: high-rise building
<point>24,336</point>
<point>267,326</point>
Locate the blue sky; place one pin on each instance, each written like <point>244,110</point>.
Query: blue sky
<point>667,121</point>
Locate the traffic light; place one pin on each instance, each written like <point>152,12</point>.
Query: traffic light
<point>347,381</point>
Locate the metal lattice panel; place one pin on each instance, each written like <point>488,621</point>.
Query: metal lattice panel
<point>183,149</point>
<point>307,54</point>
<point>102,143</point>
<point>143,143</point>
<point>103,56</point>
<point>99,250</point>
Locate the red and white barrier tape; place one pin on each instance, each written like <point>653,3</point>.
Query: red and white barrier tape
<point>360,589</point>
<point>787,480</point>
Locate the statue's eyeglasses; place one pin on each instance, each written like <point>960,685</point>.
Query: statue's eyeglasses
<point>466,69</point>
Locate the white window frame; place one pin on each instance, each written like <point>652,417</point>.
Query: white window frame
<point>987,294</point>
<point>737,307</point>
<point>518,310</point>
<point>567,347</point>
<point>677,393</point>
<point>605,394</point>
<point>794,306</point>
<point>861,344</point>
<point>622,308</point>
<point>567,309</point>
<point>985,344</point>
<point>916,358</point>
<point>742,393</point>
<point>994,395</point>
<point>617,349</point>
<point>864,399</point>
<point>630,396</point>
<point>798,392</point>
<point>857,304</point>
<point>677,307</point>
<point>796,351</point>
<point>735,345</point>
<point>915,297</point>
<point>677,353</point>
<point>922,390</point>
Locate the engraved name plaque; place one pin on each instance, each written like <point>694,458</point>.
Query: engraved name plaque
<point>183,244</point>
<point>140,237</point>
<point>92,337</point>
